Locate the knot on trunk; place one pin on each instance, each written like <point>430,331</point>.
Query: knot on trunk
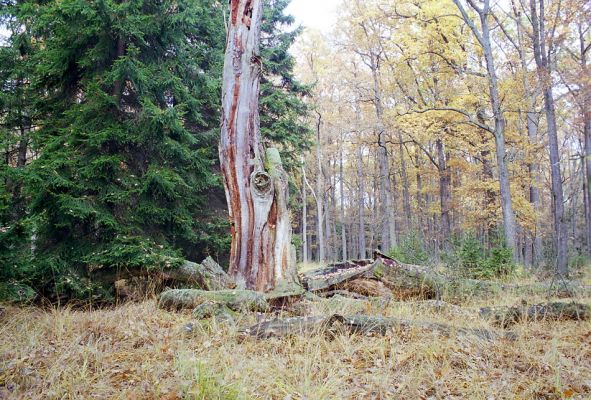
<point>261,182</point>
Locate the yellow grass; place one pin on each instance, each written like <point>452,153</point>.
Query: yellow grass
<point>136,351</point>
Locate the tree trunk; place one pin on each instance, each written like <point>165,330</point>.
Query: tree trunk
<point>319,195</point>
<point>509,225</point>
<point>388,223</point>
<point>444,196</point>
<point>534,239</point>
<point>405,185</point>
<point>342,195</point>
<point>483,37</point>
<point>419,218</point>
<point>361,203</point>
<point>587,134</point>
<point>544,72</point>
<point>257,198</point>
<point>304,216</point>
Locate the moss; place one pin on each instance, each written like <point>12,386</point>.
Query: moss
<point>12,292</point>
<point>238,300</point>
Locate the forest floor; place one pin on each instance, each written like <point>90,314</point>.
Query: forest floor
<point>137,351</point>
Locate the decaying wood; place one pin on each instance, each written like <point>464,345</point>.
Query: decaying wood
<point>406,281</point>
<point>343,293</point>
<point>557,311</point>
<point>363,324</point>
<point>334,274</point>
<point>237,300</point>
<point>137,282</point>
<point>289,326</point>
<point>254,181</point>
<point>367,287</point>
<point>208,275</point>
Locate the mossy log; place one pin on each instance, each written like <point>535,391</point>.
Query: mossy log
<point>208,275</point>
<point>16,293</point>
<point>406,281</point>
<point>236,300</point>
<point>361,324</point>
<point>555,311</point>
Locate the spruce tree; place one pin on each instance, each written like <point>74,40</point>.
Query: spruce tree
<point>282,109</point>
<point>128,135</point>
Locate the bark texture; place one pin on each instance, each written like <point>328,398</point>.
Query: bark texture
<point>255,187</point>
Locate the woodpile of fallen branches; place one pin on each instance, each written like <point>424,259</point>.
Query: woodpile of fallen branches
<point>379,278</point>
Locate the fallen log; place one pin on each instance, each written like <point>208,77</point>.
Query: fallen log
<point>364,324</point>
<point>208,275</point>
<point>334,274</point>
<point>234,299</point>
<point>289,326</point>
<point>406,281</point>
<point>555,311</point>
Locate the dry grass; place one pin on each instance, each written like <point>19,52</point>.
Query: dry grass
<point>136,351</point>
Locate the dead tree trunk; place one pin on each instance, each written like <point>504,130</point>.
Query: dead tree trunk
<point>257,198</point>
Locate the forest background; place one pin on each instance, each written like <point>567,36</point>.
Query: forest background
<point>441,132</point>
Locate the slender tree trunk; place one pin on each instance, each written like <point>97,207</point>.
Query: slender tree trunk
<point>342,195</point>
<point>304,216</point>
<point>361,203</point>
<point>319,194</point>
<point>533,243</point>
<point>257,198</point>
<point>388,224</point>
<point>405,185</point>
<point>483,37</point>
<point>587,209</point>
<point>509,224</point>
<point>544,71</point>
<point>420,208</point>
<point>584,49</point>
<point>444,196</point>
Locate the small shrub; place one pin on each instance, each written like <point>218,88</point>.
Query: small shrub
<point>411,249</point>
<point>469,258</point>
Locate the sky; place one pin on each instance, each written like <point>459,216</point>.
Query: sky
<point>316,14</point>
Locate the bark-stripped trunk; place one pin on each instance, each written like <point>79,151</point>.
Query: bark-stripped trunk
<point>257,198</point>
<point>544,68</point>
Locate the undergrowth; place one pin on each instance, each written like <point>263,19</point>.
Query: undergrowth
<point>136,351</point>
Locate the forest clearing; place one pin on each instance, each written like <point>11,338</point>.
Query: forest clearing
<point>205,199</point>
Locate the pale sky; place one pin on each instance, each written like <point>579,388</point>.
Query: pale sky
<point>316,14</point>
